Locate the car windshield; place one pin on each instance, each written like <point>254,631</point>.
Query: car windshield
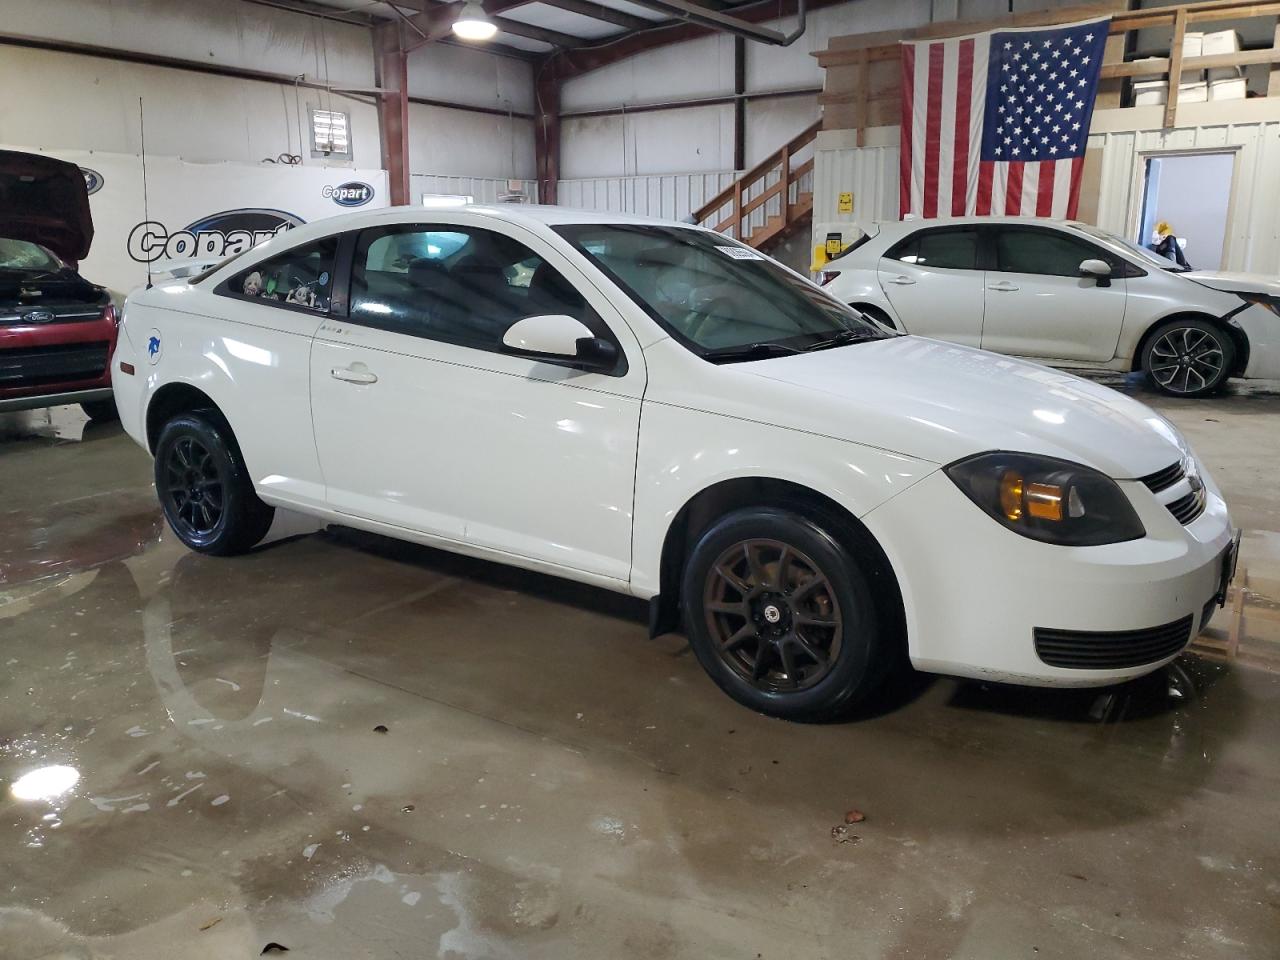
<point>719,298</point>
<point>1150,256</point>
<point>22,256</point>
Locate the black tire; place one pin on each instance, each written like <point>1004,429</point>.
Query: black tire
<point>731,627</point>
<point>101,411</point>
<point>1188,357</point>
<point>204,488</point>
<point>876,314</point>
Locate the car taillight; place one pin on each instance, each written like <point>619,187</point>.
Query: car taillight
<point>109,313</point>
<point>826,276</point>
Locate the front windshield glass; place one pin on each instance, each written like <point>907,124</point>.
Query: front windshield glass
<point>1150,256</point>
<point>721,299</point>
<point>21,255</point>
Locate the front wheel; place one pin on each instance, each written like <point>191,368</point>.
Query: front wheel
<point>101,411</point>
<point>204,488</point>
<point>781,615</point>
<point>1188,358</point>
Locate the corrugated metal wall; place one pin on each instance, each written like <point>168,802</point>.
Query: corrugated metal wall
<point>483,189</point>
<point>1253,227</point>
<point>673,196</point>
<point>1251,128</point>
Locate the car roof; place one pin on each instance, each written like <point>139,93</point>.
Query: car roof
<point>898,228</point>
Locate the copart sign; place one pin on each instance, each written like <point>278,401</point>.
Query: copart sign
<point>218,235</point>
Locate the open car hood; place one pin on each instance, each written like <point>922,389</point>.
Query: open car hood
<point>44,200</point>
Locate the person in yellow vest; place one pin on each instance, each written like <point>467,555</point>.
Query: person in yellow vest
<point>1167,245</point>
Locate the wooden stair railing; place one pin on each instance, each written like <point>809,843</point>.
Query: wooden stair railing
<point>769,200</point>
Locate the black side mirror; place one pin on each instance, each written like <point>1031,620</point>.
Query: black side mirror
<point>596,355</point>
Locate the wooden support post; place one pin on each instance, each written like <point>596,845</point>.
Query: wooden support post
<point>1175,66</point>
<point>739,103</point>
<point>1273,82</point>
<point>863,92</point>
<point>546,139</point>
<point>393,109</point>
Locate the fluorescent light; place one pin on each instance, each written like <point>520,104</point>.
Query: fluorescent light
<point>445,200</point>
<point>473,24</point>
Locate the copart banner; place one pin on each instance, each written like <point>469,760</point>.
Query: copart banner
<point>202,209</point>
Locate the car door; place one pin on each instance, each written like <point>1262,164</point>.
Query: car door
<point>934,282</point>
<point>263,353</point>
<point>1039,305</point>
<point>422,421</point>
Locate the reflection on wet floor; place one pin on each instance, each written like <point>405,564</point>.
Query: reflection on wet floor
<point>356,747</point>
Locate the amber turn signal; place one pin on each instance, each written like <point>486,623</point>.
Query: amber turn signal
<point>1011,495</point>
<point>1044,500</point>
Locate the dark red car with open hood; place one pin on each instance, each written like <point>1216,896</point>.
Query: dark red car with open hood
<point>57,330</point>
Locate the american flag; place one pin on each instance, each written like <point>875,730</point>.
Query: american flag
<point>997,123</point>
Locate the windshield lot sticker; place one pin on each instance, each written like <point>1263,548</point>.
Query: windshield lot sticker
<point>740,253</point>
<point>153,347</point>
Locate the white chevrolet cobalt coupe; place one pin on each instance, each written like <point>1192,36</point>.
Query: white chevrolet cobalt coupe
<point>1064,293</point>
<point>659,410</point>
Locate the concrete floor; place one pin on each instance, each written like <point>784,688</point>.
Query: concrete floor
<point>357,748</point>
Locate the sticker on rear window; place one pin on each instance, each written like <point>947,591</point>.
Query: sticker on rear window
<point>740,253</point>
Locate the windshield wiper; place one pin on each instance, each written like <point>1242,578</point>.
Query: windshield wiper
<point>751,351</point>
<point>842,338</point>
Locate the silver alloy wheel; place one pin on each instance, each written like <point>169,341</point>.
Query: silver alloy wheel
<point>1184,354</point>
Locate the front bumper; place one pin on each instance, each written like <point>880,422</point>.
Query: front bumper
<point>43,365</point>
<point>976,593</point>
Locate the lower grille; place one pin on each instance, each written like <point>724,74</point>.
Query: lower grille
<point>1088,650</point>
<point>37,366</point>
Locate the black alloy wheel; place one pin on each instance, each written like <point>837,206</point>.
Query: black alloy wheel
<point>204,488</point>
<point>781,613</point>
<point>773,614</point>
<point>1188,358</point>
<point>194,488</point>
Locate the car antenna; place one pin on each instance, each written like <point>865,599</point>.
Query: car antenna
<point>146,213</point>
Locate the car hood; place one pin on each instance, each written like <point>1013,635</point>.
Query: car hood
<point>941,402</point>
<point>44,200</point>
<point>1236,282</point>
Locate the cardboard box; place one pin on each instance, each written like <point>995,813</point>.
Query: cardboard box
<point>1150,93</point>
<point>1197,92</point>
<point>1212,44</point>
<point>1230,88</point>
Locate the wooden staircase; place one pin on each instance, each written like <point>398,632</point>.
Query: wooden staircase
<point>771,200</point>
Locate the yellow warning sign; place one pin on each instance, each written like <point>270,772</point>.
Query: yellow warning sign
<point>845,203</point>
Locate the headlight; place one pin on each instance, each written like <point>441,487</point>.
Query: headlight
<point>1043,498</point>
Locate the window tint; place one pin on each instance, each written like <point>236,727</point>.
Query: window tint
<point>457,284</point>
<point>301,277</point>
<point>1043,251</point>
<point>940,249</point>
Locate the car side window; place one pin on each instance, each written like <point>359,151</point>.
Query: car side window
<point>460,285</point>
<point>301,277</point>
<point>939,250</point>
<point>1046,252</point>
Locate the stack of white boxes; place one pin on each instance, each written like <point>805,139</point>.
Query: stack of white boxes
<point>1225,83</point>
<point>1222,83</point>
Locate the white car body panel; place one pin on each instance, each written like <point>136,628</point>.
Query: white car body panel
<point>1067,321</point>
<point>581,474</point>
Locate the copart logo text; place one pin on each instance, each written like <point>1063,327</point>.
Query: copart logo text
<point>353,194</point>
<point>218,235</point>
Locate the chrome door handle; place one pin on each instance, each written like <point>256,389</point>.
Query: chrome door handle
<point>901,281</point>
<point>350,375</point>
<point>1003,286</point>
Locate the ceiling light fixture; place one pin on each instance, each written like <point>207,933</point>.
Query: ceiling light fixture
<point>473,23</point>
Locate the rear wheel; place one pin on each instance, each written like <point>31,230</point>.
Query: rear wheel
<point>781,615</point>
<point>204,489</point>
<point>101,410</point>
<point>1188,358</point>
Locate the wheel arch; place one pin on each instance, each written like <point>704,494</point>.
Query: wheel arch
<point>1238,338</point>
<point>172,399</point>
<point>725,496</point>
